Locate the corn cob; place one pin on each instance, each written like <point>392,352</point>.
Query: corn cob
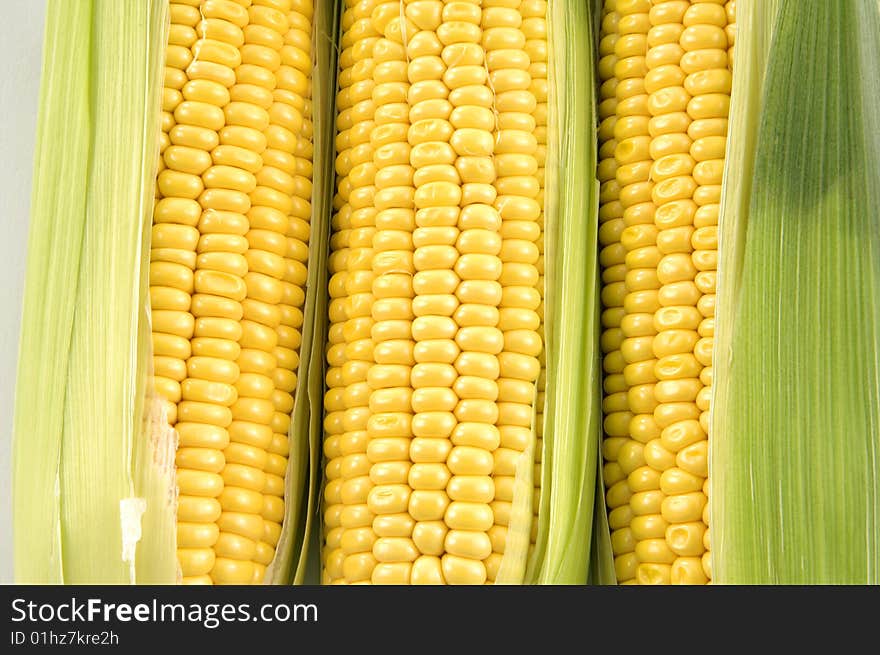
<point>669,71</point>
<point>228,254</point>
<point>433,323</point>
<point>335,398</point>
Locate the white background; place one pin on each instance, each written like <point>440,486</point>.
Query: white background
<point>21,37</point>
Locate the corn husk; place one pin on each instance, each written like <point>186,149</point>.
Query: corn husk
<point>795,421</point>
<point>94,474</point>
<point>572,413</point>
<point>291,562</point>
<point>93,483</point>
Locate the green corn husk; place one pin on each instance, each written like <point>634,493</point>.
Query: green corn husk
<point>93,483</point>
<point>291,563</point>
<point>325,20</point>
<point>572,413</point>
<point>796,406</point>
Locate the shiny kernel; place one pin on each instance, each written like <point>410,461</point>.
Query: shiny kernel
<point>650,526</point>
<point>650,573</point>
<point>688,570</point>
<point>684,508</point>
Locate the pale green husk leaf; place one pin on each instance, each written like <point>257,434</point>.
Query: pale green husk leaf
<point>93,481</point>
<point>796,408</point>
<point>572,413</point>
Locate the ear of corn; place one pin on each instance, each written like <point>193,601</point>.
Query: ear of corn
<point>230,249</point>
<point>218,282</point>
<point>92,465</point>
<point>446,170</point>
<point>796,420</point>
<point>435,291</point>
<point>664,68</point>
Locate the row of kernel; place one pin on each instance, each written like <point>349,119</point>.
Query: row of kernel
<point>677,368</point>
<point>169,237</point>
<point>343,371</point>
<point>168,241</point>
<point>678,450</point>
<point>612,258</point>
<point>536,49</point>
<point>334,398</point>
<point>709,81</point>
<point>664,104</point>
<point>280,199</point>
<point>292,165</point>
<point>436,200</point>
<point>250,433</point>
<point>206,393</point>
<point>730,8</point>
<point>730,30</point>
<point>623,64</point>
<point>639,238</point>
<point>516,185</point>
<point>358,189</point>
<point>220,58</point>
<point>276,103</point>
<point>385,520</point>
<point>173,258</point>
<point>476,244</point>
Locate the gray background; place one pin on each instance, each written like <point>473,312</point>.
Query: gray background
<point>21,38</point>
